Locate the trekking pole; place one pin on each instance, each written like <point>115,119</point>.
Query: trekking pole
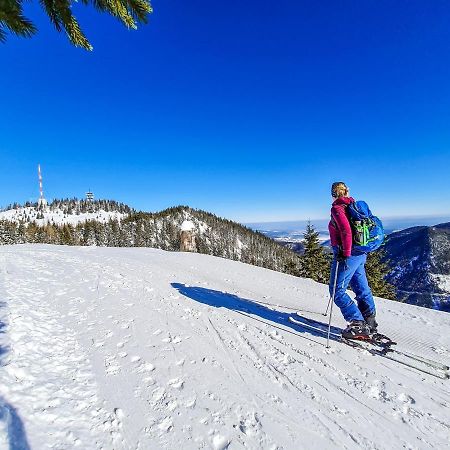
<point>330,297</point>
<point>326,311</point>
<point>332,301</point>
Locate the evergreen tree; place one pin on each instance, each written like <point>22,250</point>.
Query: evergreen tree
<point>377,268</point>
<point>315,262</point>
<point>293,267</point>
<point>66,234</point>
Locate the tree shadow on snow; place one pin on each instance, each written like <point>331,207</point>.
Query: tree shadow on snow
<point>9,418</point>
<point>3,349</point>
<point>254,310</point>
<point>17,437</point>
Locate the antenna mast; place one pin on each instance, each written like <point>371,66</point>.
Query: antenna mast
<point>42,202</point>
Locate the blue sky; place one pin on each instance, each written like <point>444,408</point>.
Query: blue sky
<point>246,109</point>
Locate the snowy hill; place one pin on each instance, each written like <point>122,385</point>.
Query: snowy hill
<point>121,348</point>
<point>69,211</point>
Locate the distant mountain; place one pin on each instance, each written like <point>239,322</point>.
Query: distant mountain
<point>295,246</point>
<point>420,261</point>
<point>112,224</point>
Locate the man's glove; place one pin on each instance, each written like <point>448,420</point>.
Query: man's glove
<point>341,258</point>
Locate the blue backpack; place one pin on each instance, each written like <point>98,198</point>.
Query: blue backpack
<point>367,229</point>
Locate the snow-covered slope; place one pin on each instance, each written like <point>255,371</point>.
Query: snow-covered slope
<point>145,349</point>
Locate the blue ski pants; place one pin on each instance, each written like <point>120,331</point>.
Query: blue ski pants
<point>352,272</point>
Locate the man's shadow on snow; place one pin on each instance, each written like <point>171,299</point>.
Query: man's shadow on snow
<point>252,309</point>
<point>17,437</point>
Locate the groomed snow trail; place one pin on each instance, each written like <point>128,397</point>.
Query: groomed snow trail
<point>146,349</point>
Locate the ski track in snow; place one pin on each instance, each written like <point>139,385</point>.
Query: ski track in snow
<point>145,349</point>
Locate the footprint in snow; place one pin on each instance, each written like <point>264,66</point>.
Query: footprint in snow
<point>111,366</point>
<point>119,413</point>
<point>149,381</point>
<point>250,425</point>
<point>176,383</point>
<point>165,425</point>
<point>172,405</point>
<point>158,394</point>
<point>112,370</point>
<point>190,403</point>
<point>406,402</point>
<point>377,391</point>
<point>220,442</point>
<point>145,368</point>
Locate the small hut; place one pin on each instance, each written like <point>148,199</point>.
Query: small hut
<point>187,241</point>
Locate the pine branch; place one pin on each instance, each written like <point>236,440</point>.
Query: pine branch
<point>61,16</point>
<point>12,18</point>
<point>129,12</point>
<point>76,36</point>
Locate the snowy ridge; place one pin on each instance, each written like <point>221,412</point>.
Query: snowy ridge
<point>169,350</point>
<point>57,216</point>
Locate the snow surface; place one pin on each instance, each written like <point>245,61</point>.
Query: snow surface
<point>58,217</point>
<point>443,281</point>
<point>132,348</point>
<point>187,225</point>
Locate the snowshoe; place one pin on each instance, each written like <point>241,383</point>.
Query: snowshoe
<point>357,329</point>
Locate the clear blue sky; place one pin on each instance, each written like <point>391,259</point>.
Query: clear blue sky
<point>248,109</point>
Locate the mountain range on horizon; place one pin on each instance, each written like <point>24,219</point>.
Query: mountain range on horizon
<point>293,230</point>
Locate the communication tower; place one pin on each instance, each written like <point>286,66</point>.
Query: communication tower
<point>42,202</point>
